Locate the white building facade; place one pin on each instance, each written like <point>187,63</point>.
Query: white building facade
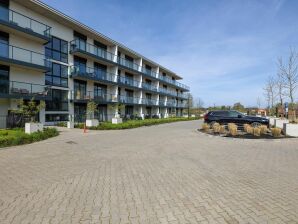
<point>49,56</point>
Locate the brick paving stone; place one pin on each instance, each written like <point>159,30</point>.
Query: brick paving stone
<point>161,174</point>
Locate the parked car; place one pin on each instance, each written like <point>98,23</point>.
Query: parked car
<point>232,116</point>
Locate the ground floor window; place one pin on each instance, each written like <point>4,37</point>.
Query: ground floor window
<point>59,101</point>
<point>56,117</point>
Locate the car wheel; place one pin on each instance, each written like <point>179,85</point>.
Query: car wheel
<point>255,124</point>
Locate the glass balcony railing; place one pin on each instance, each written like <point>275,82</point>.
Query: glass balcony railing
<point>171,103</point>
<point>149,72</point>
<point>128,64</point>
<point>20,20</point>
<point>149,102</point>
<point>128,100</point>
<point>91,49</point>
<point>173,82</point>
<point>21,54</point>
<point>162,103</point>
<point>91,73</point>
<point>149,87</point>
<point>91,95</point>
<point>23,89</point>
<point>128,81</point>
<point>182,105</point>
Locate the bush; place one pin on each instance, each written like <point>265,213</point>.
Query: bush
<point>19,137</point>
<point>222,129</point>
<point>256,131</point>
<point>216,127</point>
<point>233,129</point>
<point>249,130</point>
<point>62,124</point>
<point>245,126</point>
<point>264,129</point>
<point>275,132</point>
<point>205,127</point>
<point>133,123</point>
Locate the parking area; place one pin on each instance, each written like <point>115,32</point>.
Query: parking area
<point>168,173</point>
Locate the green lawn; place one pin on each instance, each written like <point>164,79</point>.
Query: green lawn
<point>19,137</point>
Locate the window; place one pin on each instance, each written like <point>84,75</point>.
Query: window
<point>80,64</point>
<point>4,79</point>
<point>4,13</point>
<point>100,45</point>
<point>128,93</point>
<point>99,90</point>
<point>234,114</point>
<point>57,49</point>
<point>80,40</point>
<point>59,101</point>
<point>129,110</point>
<point>56,117</point>
<point>80,89</point>
<point>100,70</point>
<point>4,49</point>
<point>57,76</point>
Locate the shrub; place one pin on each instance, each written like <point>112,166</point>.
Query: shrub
<point>275,132</point>
<point>205,127</point>
<point>256,131</point>
<point>62,124</point>
<point>249,130</point>
<point>264,129</point>
<point>133,123</point>
<point>245,126</point>
<point>222,129</point>
<point>233,130</point>
<point>216,127</point>
<point>19,137</point>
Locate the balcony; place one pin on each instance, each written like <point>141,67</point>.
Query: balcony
<point>92,74</point>
<point>182,105</point>
<point>171,104</point>
<point>182,95</point>
<point>166,92</point>
<point>128,64</point>
<point>128,82</point>
<point>162,103</point>
<point>98,97</point>
<point>149,102</point>
<point>149,87</point>
<point>128,100</point>
<point>14,89</point>
<point>174,83</point>
<point>83,48</point>
<point>17,23</point>
<point>12,55</point>
<point>148,72</point>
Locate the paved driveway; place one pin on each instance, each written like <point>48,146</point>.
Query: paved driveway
<point>162,174</point>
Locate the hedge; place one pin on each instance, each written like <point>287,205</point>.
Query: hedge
<point>19,137</point>
<point>133,123</point>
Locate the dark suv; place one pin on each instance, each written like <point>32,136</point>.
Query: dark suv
<point>232,116</point>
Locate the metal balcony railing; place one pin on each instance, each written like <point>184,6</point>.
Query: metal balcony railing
<point>18,19</point>
<point>173,82</point>
<point>91,95</point>
<point>149,72</point>
<point>91,73</point>
<point>128,100</point>
<point>23,89</point>
<point>24,55</point>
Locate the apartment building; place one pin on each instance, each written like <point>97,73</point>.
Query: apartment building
<point>49,56</point>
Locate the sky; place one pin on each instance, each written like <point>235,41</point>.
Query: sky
<point>224,49</point>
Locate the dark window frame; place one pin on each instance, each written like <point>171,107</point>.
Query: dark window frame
<point>57,53</point>
<point>52,75</point>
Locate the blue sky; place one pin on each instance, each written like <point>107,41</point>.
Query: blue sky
<point>224,49</point>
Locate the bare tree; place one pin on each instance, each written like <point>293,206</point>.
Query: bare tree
<point>279,85</point>
<point>199,103</point>
<point>289,74</point>
<point>270,94</point>
<point>259,102</point>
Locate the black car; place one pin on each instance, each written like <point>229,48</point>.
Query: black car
<point>232,116</point>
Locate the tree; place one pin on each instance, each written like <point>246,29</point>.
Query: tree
<point>238,106</point>
<point>199,103</point>
<point>279,86</point>
<point>259,103</point>
<point>30,109</point>
<point>91,108</point>
<point>288,72</point>
<point>270,93</point>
